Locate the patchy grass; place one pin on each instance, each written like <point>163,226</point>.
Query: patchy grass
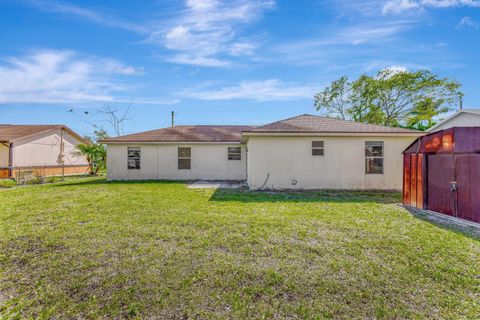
<point>92,249</point>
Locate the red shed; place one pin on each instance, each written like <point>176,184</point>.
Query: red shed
<point>441,172</point>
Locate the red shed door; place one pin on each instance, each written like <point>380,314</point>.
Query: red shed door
<point>467,171</point>
<point>440,177</point>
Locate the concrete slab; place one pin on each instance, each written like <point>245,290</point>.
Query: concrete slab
<point>469,227</point>
<point>217,185</point>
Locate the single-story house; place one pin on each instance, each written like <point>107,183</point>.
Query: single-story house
<point>303,152</point>
<point>40,150</point>
<point>461,118</point>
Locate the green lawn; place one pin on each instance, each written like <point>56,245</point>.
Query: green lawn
<point>93,249</point>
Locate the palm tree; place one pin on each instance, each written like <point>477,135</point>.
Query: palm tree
<point>96,155</point>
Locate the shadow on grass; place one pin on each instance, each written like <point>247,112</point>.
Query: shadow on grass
<point>346,196</point>
<point>245,195</point>
<point>446,223</point>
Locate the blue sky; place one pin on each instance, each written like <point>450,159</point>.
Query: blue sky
<point>214,62</point>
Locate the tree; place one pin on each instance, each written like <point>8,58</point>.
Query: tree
<point>94,151</point>
<point>335,99</point>
<point>115,118</point>
<point>391,97</point>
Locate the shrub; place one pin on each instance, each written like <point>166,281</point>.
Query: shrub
<point>7,183</point>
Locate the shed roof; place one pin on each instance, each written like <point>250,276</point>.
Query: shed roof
<point>307,123</point>
<point>451,140</point>
<point>11,132</point>
<point>199,133</point>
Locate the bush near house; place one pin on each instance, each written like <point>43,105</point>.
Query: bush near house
<point>7,183</point>
<point>92,249</point>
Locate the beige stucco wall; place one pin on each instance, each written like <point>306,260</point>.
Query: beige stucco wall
<point>342,166</point>
<point>3,156</point>
<point>44,150</point>
<point>160,161</point>
<point>461,120</point>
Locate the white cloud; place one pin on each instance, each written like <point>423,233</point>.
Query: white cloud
<point>59,76</point>
<point>198,60</point>
<point>395,69</point>
<point>355,34</point>
<point>399,6</point>
<point>371,32</point>
<point>468,22</point>
<point>116,67</point>
<point>390,71</point>
<point>354,41</point>
<point>207,29</point>
<point>203,32</point>
<point>267,90</point>
<point>92,15</point>
<point>242,48</point>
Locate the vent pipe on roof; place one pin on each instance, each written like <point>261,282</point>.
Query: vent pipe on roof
<point>460,96</point>
<point>173,118</point>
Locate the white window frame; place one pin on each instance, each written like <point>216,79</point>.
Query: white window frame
<point>134,158</point>
<point>184,158</point>
<point>234,155</point>
<point>371,157</point>
<point>316,147</point>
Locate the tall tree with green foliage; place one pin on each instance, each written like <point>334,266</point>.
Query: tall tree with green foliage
<point>391,97</point>
<point>94,151</point>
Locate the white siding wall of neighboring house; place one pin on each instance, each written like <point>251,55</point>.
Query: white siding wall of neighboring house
<point>3,156</point>
<point>462,120</point>
<point>160,161</point>
<point>44,150</point>
<point>289,159</point>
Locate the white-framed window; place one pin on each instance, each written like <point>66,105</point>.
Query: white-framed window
<point>133,157</point>
<point>374,157</point>
<point>184,158</point>
<point>318,148</point>
<point>234,153</point>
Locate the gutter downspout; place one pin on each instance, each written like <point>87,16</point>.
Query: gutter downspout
<point>246,164</point>
<point>62,154</point>
<point>10,160</point>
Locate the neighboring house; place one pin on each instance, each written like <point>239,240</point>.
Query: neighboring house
<point>45,150</point>
<point>304,152</point>
<point>461,118</point>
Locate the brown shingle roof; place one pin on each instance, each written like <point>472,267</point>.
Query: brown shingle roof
<point>12,132</point>
<point>202,133</point>
<point>316,124</point>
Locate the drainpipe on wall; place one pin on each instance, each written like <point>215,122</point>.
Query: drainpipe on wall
<point>10,160</point>
<point>246,164</point>
<point>62,154</point>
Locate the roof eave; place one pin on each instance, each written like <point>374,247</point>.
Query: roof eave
<point>62,127</point>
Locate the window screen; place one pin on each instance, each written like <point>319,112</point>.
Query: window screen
<point>133,158</point>
<point>184,158</point>
<point>374,157</point>
<point>234,153</point>
<point>317,148</point>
